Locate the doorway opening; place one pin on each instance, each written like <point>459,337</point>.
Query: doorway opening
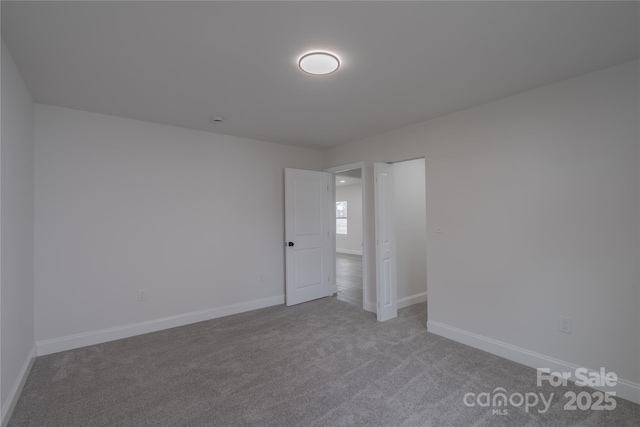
<point>411,231</point>
<point>400,202</point>
<point>349,234</point>
<point>348,198</point>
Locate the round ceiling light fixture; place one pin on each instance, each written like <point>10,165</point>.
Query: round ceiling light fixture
<point>319,63</point>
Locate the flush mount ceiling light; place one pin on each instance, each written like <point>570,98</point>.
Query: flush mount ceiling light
<point>319,63</point>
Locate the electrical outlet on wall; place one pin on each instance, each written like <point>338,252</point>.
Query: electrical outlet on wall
<point>564,324</point>
<point>141,294</point>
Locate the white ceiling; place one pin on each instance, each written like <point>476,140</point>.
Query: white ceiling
<point>180,63</point>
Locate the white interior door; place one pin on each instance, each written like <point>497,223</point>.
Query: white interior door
<point>308,254</point>
<point>386,286</point>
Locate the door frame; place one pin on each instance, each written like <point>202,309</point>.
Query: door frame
<point>366,305</point>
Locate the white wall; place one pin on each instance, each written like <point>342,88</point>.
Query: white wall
<point>352,241</point>
<point>411,229</point>
<point>538,194</point>
<point>16,213</point>
<point>194,218</point>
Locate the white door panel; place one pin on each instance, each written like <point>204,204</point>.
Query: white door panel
<point>307,234</point>
<point>386,286</point>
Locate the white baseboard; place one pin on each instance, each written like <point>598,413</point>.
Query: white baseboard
<point>624,389</point>
<point>412,299</point>
<point>15,391</point>
<point>402,302</point>
<point>348,251</point>
<point>84,339</point>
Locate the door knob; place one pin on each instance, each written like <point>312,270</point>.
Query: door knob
<point>290,244</point>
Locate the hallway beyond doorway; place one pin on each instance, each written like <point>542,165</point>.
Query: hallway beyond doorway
<point>349,278</point>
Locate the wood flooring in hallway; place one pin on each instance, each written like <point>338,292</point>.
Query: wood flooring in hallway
<point>349,278</point>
